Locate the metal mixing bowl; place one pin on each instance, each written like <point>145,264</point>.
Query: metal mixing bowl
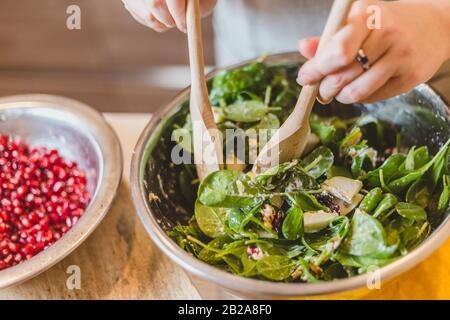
<point>80,134</point>
<point>151,163</point>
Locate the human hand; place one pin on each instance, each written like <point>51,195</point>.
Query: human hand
<point>161,15</point>
<point>410,46</point>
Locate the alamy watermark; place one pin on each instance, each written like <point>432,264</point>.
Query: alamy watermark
<point>373,278</point>
<point>374,17</point>
<point>73,281</point>
<point>73,21</point>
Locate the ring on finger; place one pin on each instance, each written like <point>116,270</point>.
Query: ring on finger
<point>363,59</point>
<point>323,101</point>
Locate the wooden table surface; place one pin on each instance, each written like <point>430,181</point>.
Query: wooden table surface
<point>119,260</point>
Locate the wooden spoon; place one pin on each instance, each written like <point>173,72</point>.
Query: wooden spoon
<point>208,152</point>
<point>290,140</point>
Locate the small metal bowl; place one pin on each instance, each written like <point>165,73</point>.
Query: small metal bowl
<point>80,134</point>
<point>151,162</point>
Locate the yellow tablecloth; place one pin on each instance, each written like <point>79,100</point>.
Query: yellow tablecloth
<point>428,280</point>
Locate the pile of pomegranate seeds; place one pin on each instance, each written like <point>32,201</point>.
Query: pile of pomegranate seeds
<point>41,197</point>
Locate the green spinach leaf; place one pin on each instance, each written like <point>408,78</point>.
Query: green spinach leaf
<point>367,237</point>
<point>210,220</point>
<point>318,162</point>
<point>228,189</point>
<point>292,227</point>
<point>411,211</point>
<point>277,268</point>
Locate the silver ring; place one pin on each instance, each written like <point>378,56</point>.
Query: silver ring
<point>363,59</point>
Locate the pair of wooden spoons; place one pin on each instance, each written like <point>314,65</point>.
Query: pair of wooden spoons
<point>289,140</point>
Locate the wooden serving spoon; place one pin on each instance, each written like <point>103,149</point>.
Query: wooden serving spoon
<point>208,152</point>
<point>289,141</point>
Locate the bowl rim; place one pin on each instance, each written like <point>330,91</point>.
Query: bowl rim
<point>107,144</point>
<point>248,285</point>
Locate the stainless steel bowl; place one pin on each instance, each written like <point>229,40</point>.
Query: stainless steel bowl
<point>157,217</point>
<point>79,133</point>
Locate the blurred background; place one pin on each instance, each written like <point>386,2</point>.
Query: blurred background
<point>113,63</point>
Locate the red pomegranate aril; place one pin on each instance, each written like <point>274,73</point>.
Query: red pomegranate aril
<point>13,247</point>
<point>8,259</point>
<point>42,197</point>
<point>17,257</point>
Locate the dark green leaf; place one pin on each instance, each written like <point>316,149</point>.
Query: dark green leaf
<point>387,203</point>
<point>411,211</point>
<point>306,202</point>
<point>400,184</point>
<point>444,198</point>
<point>338,171</point>
<point>389,168</point>
<point>246,111</point>
<point>210,220</point>
<point>367,237</point>
<point>419,193</point>
<point>318,162</point>
<point>292,227</point>
<point>227,189</point>
<point>275,268</point>
<point>325,132</point>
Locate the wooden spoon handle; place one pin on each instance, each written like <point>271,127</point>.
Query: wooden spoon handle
<point>199,90</point>
<point>336,19</point>
<point>206,137</point>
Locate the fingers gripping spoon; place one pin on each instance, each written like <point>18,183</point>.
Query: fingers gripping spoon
<point>290,140</point>
<point>208,152</point>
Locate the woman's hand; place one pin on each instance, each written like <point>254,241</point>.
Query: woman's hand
<point>410,46</point>
<point>161,15</point>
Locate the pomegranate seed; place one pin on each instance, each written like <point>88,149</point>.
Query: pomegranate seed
<point>42,197</point>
